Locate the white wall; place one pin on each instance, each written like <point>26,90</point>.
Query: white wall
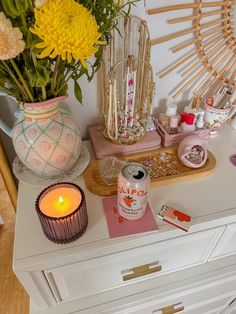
<point>88,114</point>
<point>161,57</point>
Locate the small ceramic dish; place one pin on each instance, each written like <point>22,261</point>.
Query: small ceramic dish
<point>192,152</point>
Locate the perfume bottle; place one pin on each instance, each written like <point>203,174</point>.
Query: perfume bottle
<point>164,118</point>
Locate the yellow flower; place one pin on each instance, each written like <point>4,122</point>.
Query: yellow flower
<point>11,43</point>
<point>67,29</point>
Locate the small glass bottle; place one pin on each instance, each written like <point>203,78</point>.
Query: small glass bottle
<point>188,125</point>
<point>200,121</point>
<point>164,118</point>
<point>173,129</point>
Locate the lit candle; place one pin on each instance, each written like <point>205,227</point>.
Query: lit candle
<point>60,201</point>
<point>61,209</point>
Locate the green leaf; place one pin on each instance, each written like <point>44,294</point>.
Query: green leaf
<point>42,76</point>
<point>78,92</point>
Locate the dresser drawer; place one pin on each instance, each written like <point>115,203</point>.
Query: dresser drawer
<point>227,244</point>
<point>198,297</point>
<point>89,277</point>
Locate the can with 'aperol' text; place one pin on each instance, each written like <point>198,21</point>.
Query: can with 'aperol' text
<point>133,185</point>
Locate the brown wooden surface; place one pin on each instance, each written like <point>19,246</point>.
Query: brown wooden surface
<point>13,298</point>
<point>95,184</point>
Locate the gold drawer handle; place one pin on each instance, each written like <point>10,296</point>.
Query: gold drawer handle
<point>170,309</point>
<point>142,271</point>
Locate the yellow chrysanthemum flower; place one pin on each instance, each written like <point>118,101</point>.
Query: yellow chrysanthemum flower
<point>11,39</point>
<point>67,29</point>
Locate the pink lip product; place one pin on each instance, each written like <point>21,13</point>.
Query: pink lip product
<point>175,217</point>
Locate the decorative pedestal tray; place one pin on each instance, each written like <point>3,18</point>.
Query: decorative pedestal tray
<point>161,171</point>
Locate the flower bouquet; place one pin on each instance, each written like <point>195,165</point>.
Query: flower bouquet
<point>44,44</point>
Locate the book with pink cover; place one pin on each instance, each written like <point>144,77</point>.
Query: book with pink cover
<point>102,147</point>
<point>118,226</point>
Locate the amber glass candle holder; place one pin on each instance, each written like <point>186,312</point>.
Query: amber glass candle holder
<point>61,209</point>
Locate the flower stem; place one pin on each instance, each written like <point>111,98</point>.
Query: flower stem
<point>54,78</point>
<point>11,73</point>
<point>22,79</point>
<point>61,88</point>
<point>44,94</point>
<point>23,20</point>
<point>67,79</point>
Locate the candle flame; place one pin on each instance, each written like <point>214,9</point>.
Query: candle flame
<point>61,200</point>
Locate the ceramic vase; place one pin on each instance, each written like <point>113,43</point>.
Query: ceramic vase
<point>46,138</point>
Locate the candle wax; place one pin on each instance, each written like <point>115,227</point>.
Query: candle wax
<point>60,202</point>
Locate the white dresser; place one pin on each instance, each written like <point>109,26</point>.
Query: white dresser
<point>163,272</point>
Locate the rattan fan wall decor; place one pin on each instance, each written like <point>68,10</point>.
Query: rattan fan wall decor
<point>213,41</point>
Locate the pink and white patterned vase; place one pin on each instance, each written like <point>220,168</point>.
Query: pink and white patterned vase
<point>46,138</point>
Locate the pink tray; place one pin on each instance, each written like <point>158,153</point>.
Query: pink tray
<point>175,139</point>
<point>102,147</point>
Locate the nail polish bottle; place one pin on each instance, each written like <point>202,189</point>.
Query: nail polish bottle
<point>200,121</point>
<point>182,120</point>
<point>174,121</point>
<point>188,125</point>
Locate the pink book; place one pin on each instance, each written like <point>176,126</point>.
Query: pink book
<point>120,227</point>
<point>102,147</point>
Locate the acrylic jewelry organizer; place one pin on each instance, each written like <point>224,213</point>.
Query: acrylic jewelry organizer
<point>127,82</point>
<point>214,42</point>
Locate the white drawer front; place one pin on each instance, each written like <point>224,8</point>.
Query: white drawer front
<point>210,306</point>
<point>227,244</point>
<point>107,272</point>
<point>197,298</point>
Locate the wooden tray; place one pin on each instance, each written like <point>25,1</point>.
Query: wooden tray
<point>95,184</point>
